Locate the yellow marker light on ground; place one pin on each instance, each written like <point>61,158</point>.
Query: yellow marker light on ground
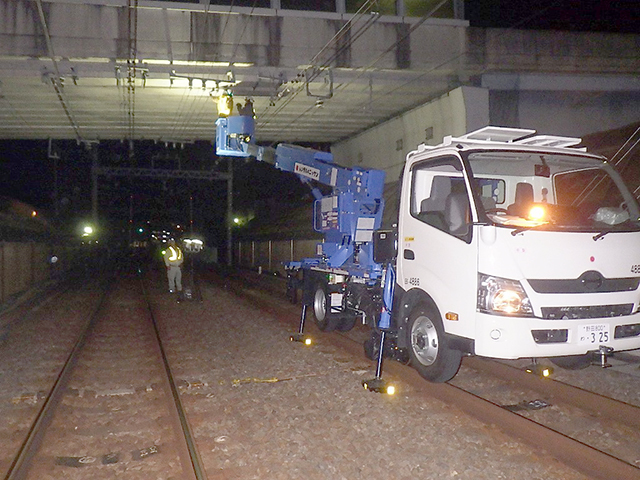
<point>307,341</point>
<point>391,390</point>
<point>539,370</point>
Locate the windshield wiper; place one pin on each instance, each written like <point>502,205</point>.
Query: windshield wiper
<point>519,230</point>
<point>600,235</point>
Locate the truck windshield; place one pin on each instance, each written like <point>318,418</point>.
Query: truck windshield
<point>551,191</point>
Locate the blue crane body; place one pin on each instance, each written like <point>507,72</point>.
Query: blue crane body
<point>347,217</point>
<point>345,281</point>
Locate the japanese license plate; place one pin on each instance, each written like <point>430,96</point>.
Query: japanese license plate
<point>594,334</point>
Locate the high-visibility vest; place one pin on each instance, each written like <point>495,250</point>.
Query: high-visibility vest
<point>174,255</point>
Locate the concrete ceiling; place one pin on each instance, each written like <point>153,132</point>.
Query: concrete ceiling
<point>97,101</point>
<point>64,71</point>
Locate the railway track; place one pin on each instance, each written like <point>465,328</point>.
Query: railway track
<point>487,394</point>
<point>91,423</point>
<point>124,425</point>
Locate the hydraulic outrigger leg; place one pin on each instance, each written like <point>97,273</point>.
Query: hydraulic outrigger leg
<point>377,384</point>
<point>300,337</point>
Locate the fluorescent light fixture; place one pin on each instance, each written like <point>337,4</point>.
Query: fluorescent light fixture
<point>89,59</point>
<point>195,63</point>
<point>153,61</point>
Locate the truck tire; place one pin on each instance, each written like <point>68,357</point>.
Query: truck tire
<point>347,322</point>
<point>572,362</point>
<point>371,347</point>
<point>429,351</point>
<point>325,321</point>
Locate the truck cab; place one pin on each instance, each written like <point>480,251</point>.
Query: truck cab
<point>511,246</point>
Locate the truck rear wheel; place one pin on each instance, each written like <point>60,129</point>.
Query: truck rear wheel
<point>429,351</point>
<point>325,321</point>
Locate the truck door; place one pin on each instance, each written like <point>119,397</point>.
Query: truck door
<point>437,246</point>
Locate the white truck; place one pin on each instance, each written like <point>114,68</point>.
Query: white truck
<point>514,246</point>
<point>507,245</point>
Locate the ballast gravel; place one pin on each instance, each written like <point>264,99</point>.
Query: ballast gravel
<point>262,407</point>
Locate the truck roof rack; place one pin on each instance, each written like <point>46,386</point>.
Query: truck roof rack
<point>518,136</point>
<point>494,134</point>
<point>550,141</point>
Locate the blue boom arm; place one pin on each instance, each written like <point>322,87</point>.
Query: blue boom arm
<point>347,217</point>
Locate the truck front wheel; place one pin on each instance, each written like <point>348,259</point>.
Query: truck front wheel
<point>429,351</point>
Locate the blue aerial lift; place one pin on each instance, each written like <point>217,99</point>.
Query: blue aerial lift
<point>349,278</point>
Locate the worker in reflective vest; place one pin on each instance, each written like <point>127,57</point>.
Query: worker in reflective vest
<point>173,258</point>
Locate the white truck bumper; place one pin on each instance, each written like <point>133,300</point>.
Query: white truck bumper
<point>517,337</point>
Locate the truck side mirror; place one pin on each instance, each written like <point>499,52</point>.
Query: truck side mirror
<point>385,245</point>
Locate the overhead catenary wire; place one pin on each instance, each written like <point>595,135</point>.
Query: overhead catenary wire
<point>186,110</point>
<point>628,151</point>
<point>314,62</point>
<point>447,61</point>
<point>454,57</point>
<point>186,103</point>
<point>56,80</point>
<point>380,56</point>
<point>132,25</point>
<point>266,115</point>
<point>597,181</point>
<point>191,112</point>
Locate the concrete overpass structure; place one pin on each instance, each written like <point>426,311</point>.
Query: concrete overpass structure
<point>137,69</point>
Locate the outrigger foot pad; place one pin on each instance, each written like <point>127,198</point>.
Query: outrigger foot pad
<point>299,337</point>
<point>378,385</point>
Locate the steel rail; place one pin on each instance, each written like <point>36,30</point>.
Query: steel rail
<point>579,456</point>
<point>574,454</point>
<point>21,462</point>
<point>190,445</point>
<point>598,405</point>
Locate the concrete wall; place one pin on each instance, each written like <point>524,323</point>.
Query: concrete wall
<point>386,146</point>
<point>184,31</point>
<point>576,113</point>
<point>269,255</point>
<point>25,265</point>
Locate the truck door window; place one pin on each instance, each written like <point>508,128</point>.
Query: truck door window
<point>439,196</point>
<point>492,192</point>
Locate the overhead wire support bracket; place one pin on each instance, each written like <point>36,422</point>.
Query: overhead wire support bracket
<point>55,78</point>
<point>328,81</point>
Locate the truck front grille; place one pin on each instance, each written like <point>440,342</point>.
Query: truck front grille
<point>588,282</point>
<point>595,311</point>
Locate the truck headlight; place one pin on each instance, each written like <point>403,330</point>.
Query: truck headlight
<point>501,296</point>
